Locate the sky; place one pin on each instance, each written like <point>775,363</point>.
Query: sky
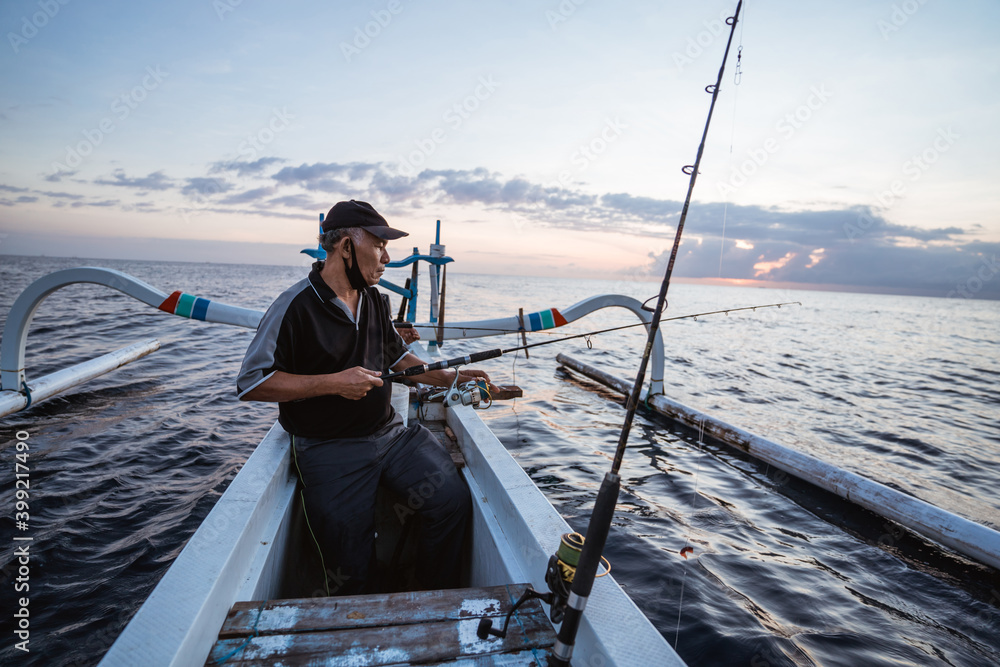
<point>856,148</point>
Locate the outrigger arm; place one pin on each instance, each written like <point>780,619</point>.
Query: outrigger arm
<point>15,391</point>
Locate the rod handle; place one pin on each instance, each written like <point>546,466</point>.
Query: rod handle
<point>449,363</point>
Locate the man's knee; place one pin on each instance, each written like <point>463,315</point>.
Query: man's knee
<point>440,495</point>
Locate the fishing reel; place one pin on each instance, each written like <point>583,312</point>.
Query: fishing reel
<point>558,576</point>
<point>473,392</point>
<point>562,569</point>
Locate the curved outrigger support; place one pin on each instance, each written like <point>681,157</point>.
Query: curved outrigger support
<point>15,391</point>
<point>553,318</point>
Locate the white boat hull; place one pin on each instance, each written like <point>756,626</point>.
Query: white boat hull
<point>239,551</point>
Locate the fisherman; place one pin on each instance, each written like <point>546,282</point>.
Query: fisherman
<point>319,352</point>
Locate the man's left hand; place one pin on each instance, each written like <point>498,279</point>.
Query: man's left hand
<point>470,374</point>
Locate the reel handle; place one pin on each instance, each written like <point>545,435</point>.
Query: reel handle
<point>485,628</point>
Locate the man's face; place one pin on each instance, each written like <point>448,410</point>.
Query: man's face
<point>372,257</point>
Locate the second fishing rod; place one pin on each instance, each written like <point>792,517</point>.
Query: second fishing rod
<point>483,355</point>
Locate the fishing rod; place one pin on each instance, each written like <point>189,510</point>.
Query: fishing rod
<point>497,352</point>
<point>604,507</point>
<point>410,325</point>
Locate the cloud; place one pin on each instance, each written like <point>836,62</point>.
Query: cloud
<point>326,177</point>
<point>154,181</point>
<point>851,245</point>
<point>642,208</point>
<point>23,199</point>
<point>100,204</point>
<point>245,168</point>
<point>248,196</point>
<point>205,186</point>
<point>60,195</point>
<point>59,175</point>
<point>876,261</point>
<point>294,201</point>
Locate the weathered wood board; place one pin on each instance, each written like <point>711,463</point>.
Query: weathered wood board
<point>424,627</point>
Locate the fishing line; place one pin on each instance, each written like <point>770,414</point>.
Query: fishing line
<point>687,540</point>
<point>633,401</point>
<point>725,311</point>
<point>695,316</point>
<point>737,77</point>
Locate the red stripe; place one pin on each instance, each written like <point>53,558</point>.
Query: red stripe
<point>169,304</point>
<point>558,318</point>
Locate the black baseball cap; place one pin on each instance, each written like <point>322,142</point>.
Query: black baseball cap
<point>360,214</point>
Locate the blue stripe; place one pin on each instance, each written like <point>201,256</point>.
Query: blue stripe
<point>200,308</point>
<point>535,321</point>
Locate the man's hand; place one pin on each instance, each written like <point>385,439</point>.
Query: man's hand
<point>470,374</point>
<point>355,383</point>
<point>408,335</point>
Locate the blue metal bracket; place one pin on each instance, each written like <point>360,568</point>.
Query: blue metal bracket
<point>317,252</point>
<point>393,287</point>
<point>416,258</point>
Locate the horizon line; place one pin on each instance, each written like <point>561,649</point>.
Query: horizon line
<point>712,281</point>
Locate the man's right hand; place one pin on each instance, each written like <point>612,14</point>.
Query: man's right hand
<point>355,383</point>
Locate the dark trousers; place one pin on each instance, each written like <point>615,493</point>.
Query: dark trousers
<point>340,478</point>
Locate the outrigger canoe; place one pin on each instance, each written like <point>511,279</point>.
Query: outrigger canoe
<point>243,592</point>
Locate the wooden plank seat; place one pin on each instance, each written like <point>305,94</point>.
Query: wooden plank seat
<point>414,628</point>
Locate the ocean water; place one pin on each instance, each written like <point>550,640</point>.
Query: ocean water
<point>900,389</point>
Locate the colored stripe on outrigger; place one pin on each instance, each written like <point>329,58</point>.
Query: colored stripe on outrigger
<point>544,319</point>
<point>186,305</point>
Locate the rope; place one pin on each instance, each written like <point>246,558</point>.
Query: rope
<point>246,641</point>
<point>524,634</point>
<point>302,498</point>
<point>27,393</point>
